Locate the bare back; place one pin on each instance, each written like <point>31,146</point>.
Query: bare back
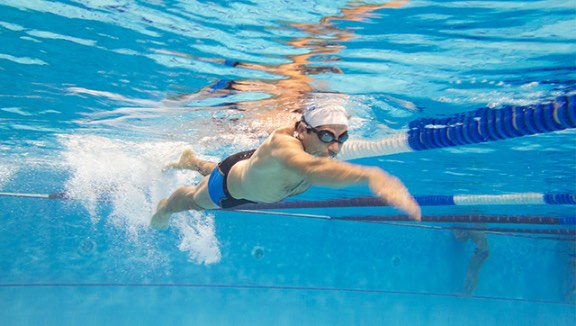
<point>263,177</point>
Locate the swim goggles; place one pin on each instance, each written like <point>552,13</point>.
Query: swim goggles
<point>327,136</point>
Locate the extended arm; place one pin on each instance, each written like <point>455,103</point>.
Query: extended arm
<point>325,171</point>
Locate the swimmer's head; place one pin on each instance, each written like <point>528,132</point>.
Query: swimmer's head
<point>326,109</point>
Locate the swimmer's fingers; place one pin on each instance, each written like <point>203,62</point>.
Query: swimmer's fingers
<point>407,204</point>
<point>410,206</point>
<point>393,192</point>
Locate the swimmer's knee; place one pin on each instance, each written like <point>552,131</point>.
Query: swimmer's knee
<point>181,190</point>
<point>193,206</point>
<point>184,199</point>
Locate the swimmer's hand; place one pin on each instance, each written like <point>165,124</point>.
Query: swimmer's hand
<point>161,218</point>
<point>186,161</point>
<point>393,192</point>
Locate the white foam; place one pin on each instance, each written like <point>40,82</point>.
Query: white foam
<point>198,236</point>
<point>6,173</point>
<point>128,175</point>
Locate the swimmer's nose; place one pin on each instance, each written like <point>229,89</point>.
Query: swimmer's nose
<point>333,149</point>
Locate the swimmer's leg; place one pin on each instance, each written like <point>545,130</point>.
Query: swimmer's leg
<point>181,200</point>
<point>481,253</point>
<point>474,266</point>
<point>189,161</point>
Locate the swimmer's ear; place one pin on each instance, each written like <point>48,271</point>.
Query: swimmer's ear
<point>297,124</point>
<point>299,128</point>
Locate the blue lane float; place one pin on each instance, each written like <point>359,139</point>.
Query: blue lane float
<point>474,127</point>
<point>487,124</point>
<point>560,199</point>
<point>484,219</point>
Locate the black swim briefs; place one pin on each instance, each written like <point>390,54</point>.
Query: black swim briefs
<point>218,183</point>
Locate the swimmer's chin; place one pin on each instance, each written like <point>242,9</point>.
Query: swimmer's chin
<point>324,154</point>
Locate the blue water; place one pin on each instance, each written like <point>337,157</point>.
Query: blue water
<point>96,97</point>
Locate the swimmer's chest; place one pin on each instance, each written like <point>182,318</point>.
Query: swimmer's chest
<point>275,182</point>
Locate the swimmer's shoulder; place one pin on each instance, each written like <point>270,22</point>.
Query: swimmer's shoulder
<point>279,140</point>
<point>284,131</point>
<point>282,136</point>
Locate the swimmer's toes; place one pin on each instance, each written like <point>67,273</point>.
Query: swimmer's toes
<point>187,156</point>
<point>160,221</point>
<point>187,160</point>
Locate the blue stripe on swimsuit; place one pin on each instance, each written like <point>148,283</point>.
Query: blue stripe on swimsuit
<point>218,185</point>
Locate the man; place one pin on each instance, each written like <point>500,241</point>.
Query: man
<point>287,163</point>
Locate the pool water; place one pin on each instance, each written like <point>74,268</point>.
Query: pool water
<point>97,96</point>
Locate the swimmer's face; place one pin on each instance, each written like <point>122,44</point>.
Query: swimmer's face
<point>315,146</point>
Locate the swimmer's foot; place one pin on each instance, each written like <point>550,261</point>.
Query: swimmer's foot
<point>161,218</point>
<point>186,161</point>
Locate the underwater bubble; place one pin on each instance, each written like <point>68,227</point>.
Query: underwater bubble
<point>258,252</point>
<point>87,247</point>
<point>395,261</point>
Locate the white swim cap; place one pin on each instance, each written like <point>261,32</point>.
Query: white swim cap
<point>326,109</point>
